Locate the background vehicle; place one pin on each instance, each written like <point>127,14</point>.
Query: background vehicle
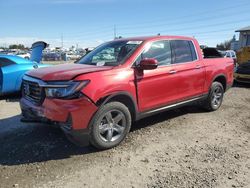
<point>12,68</point>
<point>242,73</point>
<point>230,54</point>
<point>243,55</point>
<point>97,99</point>
<point>52,56</point>
<point>24,55</point>
<point>72,56</point>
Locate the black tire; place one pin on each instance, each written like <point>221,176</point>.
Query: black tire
<point>106,122</point>
<point>215,97</point>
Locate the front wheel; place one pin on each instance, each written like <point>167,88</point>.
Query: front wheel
<point>215,97</point>
<point>110,125</point>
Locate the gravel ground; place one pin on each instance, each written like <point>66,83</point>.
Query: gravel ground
<point>181,148</point>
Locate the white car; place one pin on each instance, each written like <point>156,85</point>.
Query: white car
<point>24,55</point>
<point>72,56</point>
<point>230,54</point>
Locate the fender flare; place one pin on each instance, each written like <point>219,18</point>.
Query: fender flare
<point>217,76</point>
<point>102,101</point>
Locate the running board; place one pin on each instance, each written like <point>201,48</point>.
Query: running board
<point>170,107</point>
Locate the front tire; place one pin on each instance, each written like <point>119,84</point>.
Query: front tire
<point>110,125</point>
<point>215,97</point>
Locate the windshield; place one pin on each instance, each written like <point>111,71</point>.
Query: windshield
<point>110,54</point>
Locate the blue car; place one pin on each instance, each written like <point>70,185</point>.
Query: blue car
<point>12,69</point>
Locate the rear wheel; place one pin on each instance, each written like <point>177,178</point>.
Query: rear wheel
<point>215,97</point>
<point>110,125</point>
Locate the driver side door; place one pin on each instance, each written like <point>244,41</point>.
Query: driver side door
<point>157,88</point>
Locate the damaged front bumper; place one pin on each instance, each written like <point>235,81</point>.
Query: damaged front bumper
<point>72,116</point>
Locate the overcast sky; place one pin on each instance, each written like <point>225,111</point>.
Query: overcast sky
<point>90,22</point>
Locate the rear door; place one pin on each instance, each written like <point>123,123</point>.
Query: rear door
<point>188,68</point>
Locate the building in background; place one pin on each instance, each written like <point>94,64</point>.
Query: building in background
<point>244,39</point>
<point>243,51</point>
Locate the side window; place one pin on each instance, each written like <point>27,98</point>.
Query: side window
<point>228,54</point>
<point>183,51</point>
<point>6,62</point>
<point>193,51</point>
<point>160,50</point>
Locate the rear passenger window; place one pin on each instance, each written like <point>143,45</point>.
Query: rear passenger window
<point>160,50</point>
<point>183,51</point>
<point>193,51</point>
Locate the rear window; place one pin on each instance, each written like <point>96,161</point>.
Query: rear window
<point>232,54</point>
<point>183,51</point>
<point>6,62</point>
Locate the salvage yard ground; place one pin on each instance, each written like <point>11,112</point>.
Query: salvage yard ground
<point>181,148</point>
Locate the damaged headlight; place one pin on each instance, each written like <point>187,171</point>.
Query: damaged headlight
<point>65,89</point>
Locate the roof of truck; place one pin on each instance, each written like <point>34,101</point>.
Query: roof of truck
<point>144,38</point>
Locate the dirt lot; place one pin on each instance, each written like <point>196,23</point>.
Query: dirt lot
<point>181,148</point>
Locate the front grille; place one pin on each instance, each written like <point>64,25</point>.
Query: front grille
<point>33,92</point>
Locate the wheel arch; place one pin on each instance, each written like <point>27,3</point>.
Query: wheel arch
<point>123,97</point>
<point>221,78</point>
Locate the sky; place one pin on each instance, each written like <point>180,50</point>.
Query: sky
<point>87,23</point>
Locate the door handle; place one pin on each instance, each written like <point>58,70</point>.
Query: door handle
<point>198,67</point>
<point>172,72</point>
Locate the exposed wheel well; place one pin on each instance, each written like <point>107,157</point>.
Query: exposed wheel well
<point>222,80</point>
<point>122,98</point>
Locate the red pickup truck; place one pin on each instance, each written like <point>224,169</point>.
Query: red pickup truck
<point>96,99</point>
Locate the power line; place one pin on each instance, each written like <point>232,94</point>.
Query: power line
<point>108,29</point>
<point>173,23</point>
<point>190,15</point>
<point>108,34</point>
<point>200,19</point>
<point>203,26</point>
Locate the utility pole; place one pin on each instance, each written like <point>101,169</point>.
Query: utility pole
<point>114,31</point>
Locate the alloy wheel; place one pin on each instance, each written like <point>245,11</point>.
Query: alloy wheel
<point>112,125</point>
<point>217,97</point>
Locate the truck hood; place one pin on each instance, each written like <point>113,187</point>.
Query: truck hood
<point>65,71</point>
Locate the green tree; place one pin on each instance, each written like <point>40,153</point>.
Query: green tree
<point>17,46</point>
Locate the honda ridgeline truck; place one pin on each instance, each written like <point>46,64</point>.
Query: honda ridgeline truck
<point>96,99</point>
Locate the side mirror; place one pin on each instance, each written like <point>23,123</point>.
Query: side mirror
<point>148,64</point>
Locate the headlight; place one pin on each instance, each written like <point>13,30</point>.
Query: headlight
<point>65,89</point>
